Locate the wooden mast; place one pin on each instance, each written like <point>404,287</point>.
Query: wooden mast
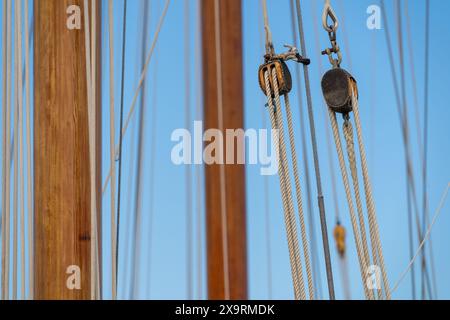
<point>61,151</point>
<point>232,91</point>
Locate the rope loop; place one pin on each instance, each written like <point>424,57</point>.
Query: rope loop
<point>328,12</point>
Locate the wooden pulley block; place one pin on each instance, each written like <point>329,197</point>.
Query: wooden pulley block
<point>283,76</point>
<point>337,88</point>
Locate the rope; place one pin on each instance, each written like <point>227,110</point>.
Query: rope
<point>188,173</point>
<point>348,135</point>
<point>291,236</point>
<point>373,224</point>
<point>141,80</point>
<point>5,142</point>
<point>7,236</point>
<point>425,238</point>
<point>223,204</point>
<point>287,182</point>
<point>425,140</point>
<point>323,222</point>
<point>299,198</point>
<point>268,33</point>
<point>140,160</point>
<point>315,266</point>
<point>91,120</point>
<point>21,232</point>
<point>16,147</point>
<point>29,155</point>
<point>198,169</point>
<point>112,131</point>
<point>361,258</point>
<point>119,182</point>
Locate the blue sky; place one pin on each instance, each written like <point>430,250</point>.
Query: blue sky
<point>161,266</point>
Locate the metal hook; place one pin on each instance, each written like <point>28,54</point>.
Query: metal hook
<point>328,12</point>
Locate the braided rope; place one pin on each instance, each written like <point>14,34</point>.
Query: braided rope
<point>299,198</point>
<point>288,222</point>
<point>369,197</point>
<point>361,258</point>
<point>348,134</point>
<point>287,179</point>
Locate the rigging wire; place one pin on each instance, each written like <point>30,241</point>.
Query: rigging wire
<point>266,180</point>
<point>312,224</point>
<point>410,174</point>
<point>8,154</point>
<point>112,151</point>
<point>198,175</point>
<point>30,181</point>
<point>188,171</point>
<point>140,158</point>
<point>425,141</point>
<point>410,184</point>
<point>140,82</point>
<point>5,142</point>
<point>425,238</point>
<point>316,158</point>
<point>122,92</point>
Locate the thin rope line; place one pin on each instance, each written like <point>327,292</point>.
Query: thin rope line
<point>6,282</point>
<point>200,225</point>
<point>188,173</point>
<point>29,155</point>
<point>119,183</point>
<point>426,236</point>
<point>5,142</point>
<point>20,146</point>
<point>312,233</point>
<point>93,210</point>
<point>112,131</point>
<point>425,141</point>
<point>323,222</point>
<point>141,80</point>
<point>17,146</point>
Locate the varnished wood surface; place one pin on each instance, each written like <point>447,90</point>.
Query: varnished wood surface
<point>231,43</point>
<point>61,152</point>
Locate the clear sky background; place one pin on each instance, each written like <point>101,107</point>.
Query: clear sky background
<point>161,261</point>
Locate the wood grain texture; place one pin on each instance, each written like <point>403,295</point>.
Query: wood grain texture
<point>61,152</point>
<point>231,43</point>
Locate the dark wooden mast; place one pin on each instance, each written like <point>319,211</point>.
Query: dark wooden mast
<point>232,89</point>
<point>61,151</point>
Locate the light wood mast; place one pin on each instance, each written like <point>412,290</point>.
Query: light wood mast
<point>62,230</point>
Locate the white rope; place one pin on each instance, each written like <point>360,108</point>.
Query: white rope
<point>16,148</point>
<point>360,254</point>
<point>348,134</point>
<point>4,142</point>
<point>29,151</point>
<point>373,224</point>
<point>138,89</point>
<point>112,131</point>
<point>287,213</point>
<point>91,119</point>
<point>223,198</point>
<point>299,198</point>
<point>425,238</point>
<point>7,213</point>
<point>268,33</point>
<point>20,146</point>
